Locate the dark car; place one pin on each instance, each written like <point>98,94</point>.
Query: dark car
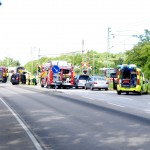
<point>80,80</point>
<point>14,79</point>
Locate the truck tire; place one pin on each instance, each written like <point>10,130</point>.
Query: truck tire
<point>140,93</point>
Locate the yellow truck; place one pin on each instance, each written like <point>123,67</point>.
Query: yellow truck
<point>3,74</point>
<point>130,78</point>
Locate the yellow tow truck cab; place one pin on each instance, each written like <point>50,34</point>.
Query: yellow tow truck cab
<point>130,78</point>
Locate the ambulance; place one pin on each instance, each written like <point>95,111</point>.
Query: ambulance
<point>130,78</point>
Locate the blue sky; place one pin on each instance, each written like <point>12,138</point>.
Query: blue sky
<point>59,26</point>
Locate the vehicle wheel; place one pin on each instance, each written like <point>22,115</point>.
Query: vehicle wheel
<point>99,89</point>
<point>42,85</point>
<point>59,87</point>
<point>91,88</point>
<point>76,87</point>
<point>127,93</point>
<point>119,92</point>
<point>106,89</point>
<point>140,93</point>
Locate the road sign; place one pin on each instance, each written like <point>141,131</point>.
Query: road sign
<point>55,69</point>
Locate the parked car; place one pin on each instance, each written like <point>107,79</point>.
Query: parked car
<point>96,82</point>
<point>80,80</point>
<point>14,79</point>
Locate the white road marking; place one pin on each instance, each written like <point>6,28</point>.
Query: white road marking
<point>126,98</point>
<point>88,98</point>
<point>31,136</point>
<point>115,104</point>
<point>147,111</point>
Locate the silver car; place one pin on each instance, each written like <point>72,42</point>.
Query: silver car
<point>80,80</point>
<point>96,82</point>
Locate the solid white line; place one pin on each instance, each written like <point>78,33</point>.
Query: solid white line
<point>116,104</point>
<point>31,136</point>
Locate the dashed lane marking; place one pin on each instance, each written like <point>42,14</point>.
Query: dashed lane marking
<point>115,104</point>
<point>147,111</point>
<point>88,98</point>
<point>126,98</point>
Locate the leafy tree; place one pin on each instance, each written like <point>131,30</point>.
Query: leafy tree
<point>140,54</point>
<point>9,62</point>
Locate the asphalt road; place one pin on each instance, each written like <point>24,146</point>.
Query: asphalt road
<point>38,118</point>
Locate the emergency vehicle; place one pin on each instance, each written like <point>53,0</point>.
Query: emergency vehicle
<point>109,73</point>
<point>15,74</point>
<point>3,74</point>
<point>130,78</point>
<point>63,79</point>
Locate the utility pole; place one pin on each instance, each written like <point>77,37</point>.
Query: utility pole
<point>39,56</point>
<point>32,59</point>
<point>82,55</point>
<point>82,50</point>
<point>93,64</point>
<point>108,49</point>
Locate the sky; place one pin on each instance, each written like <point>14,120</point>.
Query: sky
<point>53,27</point>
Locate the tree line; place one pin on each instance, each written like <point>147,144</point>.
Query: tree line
<point>139,55</point>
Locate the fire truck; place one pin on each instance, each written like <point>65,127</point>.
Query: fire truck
<point>63,79</point>
<point>130,78</point>
<point>3,74</point>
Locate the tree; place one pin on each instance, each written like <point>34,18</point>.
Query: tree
<point>140,54</point>
<point>9,62</point>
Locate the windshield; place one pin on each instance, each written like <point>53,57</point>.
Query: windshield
<point>83,77</point>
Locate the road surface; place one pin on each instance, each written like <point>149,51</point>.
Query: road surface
<point>37,118</point>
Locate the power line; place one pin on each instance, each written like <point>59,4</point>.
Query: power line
<point>135,24</point>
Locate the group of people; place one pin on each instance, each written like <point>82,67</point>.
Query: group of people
<point>24,78</point>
